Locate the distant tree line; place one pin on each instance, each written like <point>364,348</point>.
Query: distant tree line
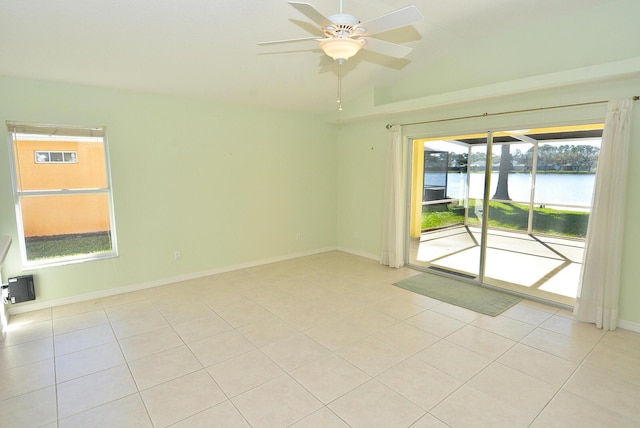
<point>564,158</point>
<point>580,158</point>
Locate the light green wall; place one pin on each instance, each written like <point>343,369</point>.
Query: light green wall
<point>362,153</point>
<point>225,185</point>
<point>630,292</point>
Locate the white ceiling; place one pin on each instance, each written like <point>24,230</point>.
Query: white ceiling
<point>207,48</point>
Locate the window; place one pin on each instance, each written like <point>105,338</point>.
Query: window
<point>62,188</point>
<point>56,157</point>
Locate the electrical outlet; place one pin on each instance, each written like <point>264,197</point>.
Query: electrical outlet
<point>177,254</point>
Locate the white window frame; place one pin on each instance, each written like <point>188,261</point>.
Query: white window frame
<point>58,133</point>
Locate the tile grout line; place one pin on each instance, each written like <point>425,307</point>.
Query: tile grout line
<point>138,393</point>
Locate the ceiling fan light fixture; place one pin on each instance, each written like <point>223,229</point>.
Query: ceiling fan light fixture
<point>345,35</point>
<point>341,48</point>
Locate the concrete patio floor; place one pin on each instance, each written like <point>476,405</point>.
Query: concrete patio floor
<point>540,266</point>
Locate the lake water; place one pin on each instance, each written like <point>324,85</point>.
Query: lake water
<point>563,189</point>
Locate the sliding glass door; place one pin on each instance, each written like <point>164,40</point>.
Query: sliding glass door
<point>445,227</point>
<point>514,219</point>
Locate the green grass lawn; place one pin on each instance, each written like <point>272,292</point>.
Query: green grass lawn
<point>48,247</point>
<point>515,217</point>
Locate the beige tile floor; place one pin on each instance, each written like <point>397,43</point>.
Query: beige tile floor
<point>319,341</point>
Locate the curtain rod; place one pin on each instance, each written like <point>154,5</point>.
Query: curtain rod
<point>389,126</point>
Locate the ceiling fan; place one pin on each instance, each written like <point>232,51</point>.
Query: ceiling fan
<point>345,35</point>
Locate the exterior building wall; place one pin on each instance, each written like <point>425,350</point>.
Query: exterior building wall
<point>63,214</point>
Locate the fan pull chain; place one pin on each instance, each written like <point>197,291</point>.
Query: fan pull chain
<point>339,100</point>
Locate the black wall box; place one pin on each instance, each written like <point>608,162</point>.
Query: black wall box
<point>21,289</point>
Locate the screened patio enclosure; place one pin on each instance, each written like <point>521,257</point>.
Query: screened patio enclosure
<point>505,209</point>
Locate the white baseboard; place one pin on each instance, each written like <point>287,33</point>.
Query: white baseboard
<point>28,307</point>
<point>359,253</point>
<point>628,325</point>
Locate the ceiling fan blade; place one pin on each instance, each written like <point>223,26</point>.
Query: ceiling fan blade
<point>386,48</point>
<point>275,42</point>
<point>311,13</point>
<point>396,19</point>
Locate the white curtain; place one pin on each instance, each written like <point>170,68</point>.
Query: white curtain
<point>597,300</point>
<point>392,226</point>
